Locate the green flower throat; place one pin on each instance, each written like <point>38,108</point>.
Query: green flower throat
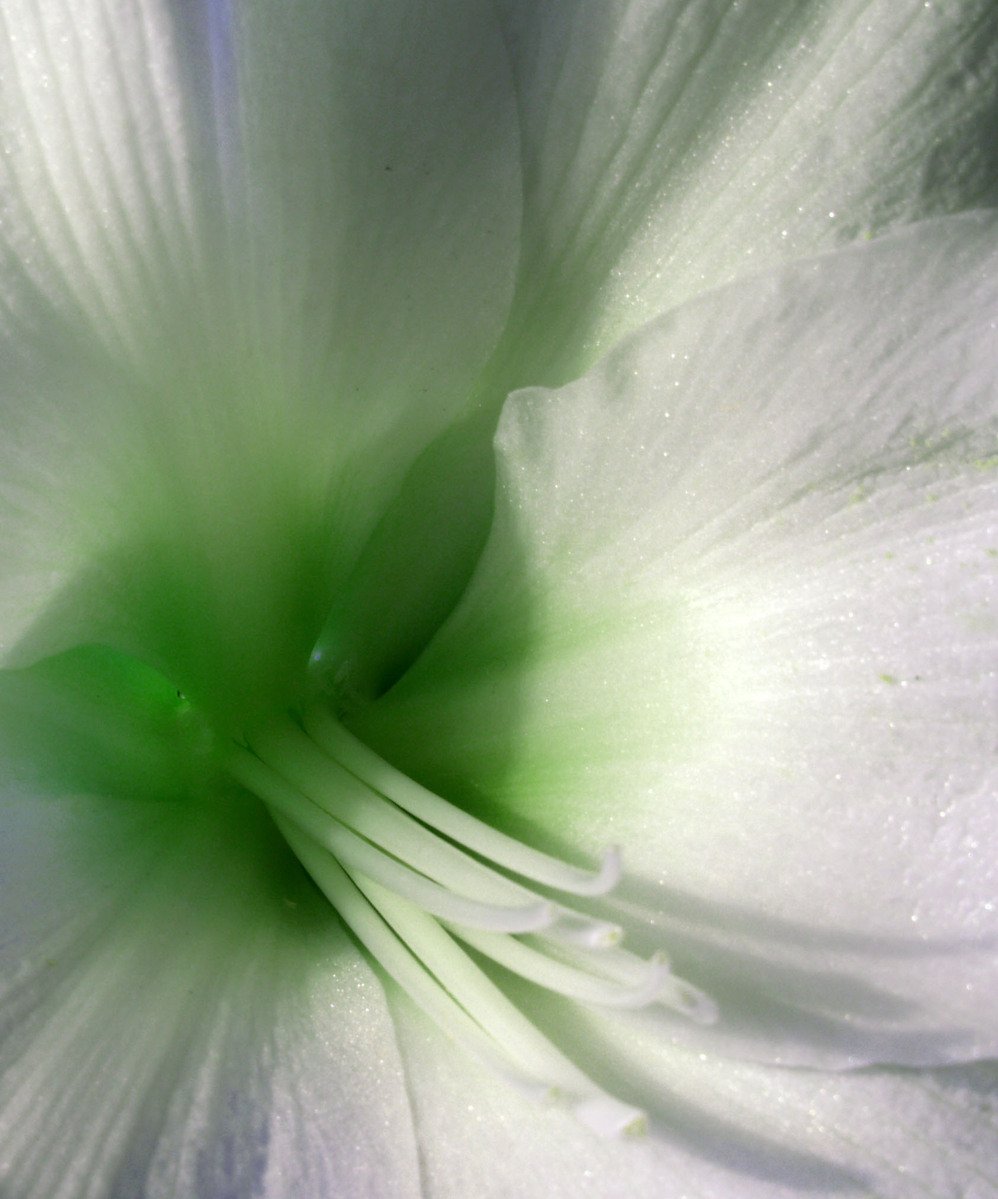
<point>436,897</point>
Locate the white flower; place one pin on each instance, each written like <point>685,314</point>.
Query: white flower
<point>269,274</point>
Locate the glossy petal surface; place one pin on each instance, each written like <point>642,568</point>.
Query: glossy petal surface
<point>181,1014</point>
<point>737,616</point>
<point>224,346</point>
<point>673,145</point>
<point>720,1129</point>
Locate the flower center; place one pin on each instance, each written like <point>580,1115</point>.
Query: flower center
<point>421,883</point>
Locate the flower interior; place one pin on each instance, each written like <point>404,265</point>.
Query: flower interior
<point>233,536</point>
<point>424,886</point>
<point>435,896</point>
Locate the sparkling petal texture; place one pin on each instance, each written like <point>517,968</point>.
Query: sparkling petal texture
<point>181,1015</point>
<point>335,292</point>
<point>268,271</point>
<point>721,1129</point>
<point>672,145</point>
<point>736,615</point>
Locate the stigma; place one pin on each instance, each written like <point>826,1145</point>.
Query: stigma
<point>427,888</point>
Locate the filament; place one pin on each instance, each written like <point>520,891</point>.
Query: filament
<point>463,828</point>
<point>421,883</point>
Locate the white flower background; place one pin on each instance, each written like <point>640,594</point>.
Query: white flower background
<point>608,393</point>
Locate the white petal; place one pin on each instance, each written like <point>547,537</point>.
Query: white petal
<point>351,173</point>
<point>718,1130</point>
<point>381,164</point>
<point>182,1015</point>
<point>206,412</point>
<point>736,616</point>
<point>672,145</point>
<point>99,191</point>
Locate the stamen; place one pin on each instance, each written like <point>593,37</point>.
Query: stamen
<point>476,992</point>
<point>396,861</point>
<point>300,761</point>
<point>392,953</point>
<point>448,986</point>
<point>572,928</point>
<point>626,969</point>
<point>356,853</point>
<point>608,1117</point>
<point>505,851</point>
<point>569,980</point>
<point>690,1001</point>
<point>340,793</point>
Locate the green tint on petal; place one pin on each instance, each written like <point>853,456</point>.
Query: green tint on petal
<point>191,474</point>
<point>673,145</point>
<point>94,721</point>
<point>183,1015</point>
<point>415,565</point>
<point>736,615</point>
